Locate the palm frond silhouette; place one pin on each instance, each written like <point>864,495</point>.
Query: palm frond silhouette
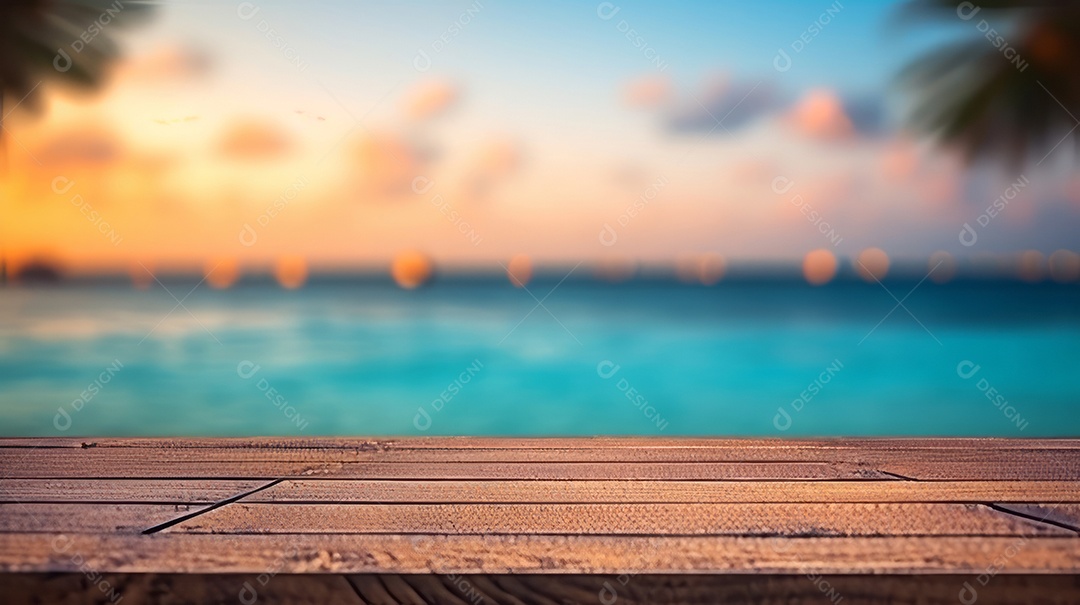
<point>1011,90</point>
<point>64,41</point>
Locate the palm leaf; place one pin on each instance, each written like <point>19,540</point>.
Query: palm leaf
<point>970,96</point>
<point>40,41</point>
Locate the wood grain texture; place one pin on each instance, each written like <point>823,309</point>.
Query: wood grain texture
<point>586,451</point>
<point>132,589</point>
<point>87,518</point>
<point>593,505</point>
<point>354,553</point>
<point>910,519</point>
<point>1066,515</point>
<point>379,491</point>
<point>44,468</point>
<point>141,491</point>
<point>923,463</point>
<point>542,443</point>
<point>527,589</point>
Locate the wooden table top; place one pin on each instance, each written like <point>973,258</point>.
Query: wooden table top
<point>540,506</point>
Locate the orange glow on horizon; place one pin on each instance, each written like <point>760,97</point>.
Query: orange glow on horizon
<point>1032,266</point>
<point>141,275</point>
<point>705,269</point>
<point>222,273</point>
<point>872,264</point>
<point>1065,266</point>
<point>291,272</point>
<point>819,267</point>
<point>520,270</point>
<point>412,269</point>
<point>711,269</point>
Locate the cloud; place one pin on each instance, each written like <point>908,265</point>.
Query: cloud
<point>867,114</point>
<point>494,160</point>
<point>386,163</point>
<point>254,139</point>
<point>825,115</point>
<point>722,106</point>
<point>647,92</point>
<point>165,63</point>
<point>755,171</point>
<point>430,98</point>
<point>498,157</point>
<point>84,146</point>
<point>820,115</point>
<point>899,160</point>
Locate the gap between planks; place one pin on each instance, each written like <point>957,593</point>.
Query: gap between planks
<point>214,506</point>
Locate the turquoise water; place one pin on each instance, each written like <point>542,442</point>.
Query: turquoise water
<point>362,357</point>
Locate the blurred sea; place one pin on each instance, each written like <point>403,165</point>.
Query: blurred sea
<point>479,357</point>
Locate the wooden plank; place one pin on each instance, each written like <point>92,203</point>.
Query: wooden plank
<point>42,468</point>
<point>372,589</point>
<point>87,518</point>
<point>1066,515</point>
<point>911,519</point>
<point>1046,470</point>
<point>176,588</point>
<point>449,492</point>
<point>652,589</point>
<point>142,491</point>
<point>427,589</point>
<point>340,553</point>
<point>32,468</point>
<point>569,471</point>
<point>137,455</point>
<point>494,588</point>
<point>412,505</point>
<point>869,456</point>
<point>533,589</point>
<point>519,443</point>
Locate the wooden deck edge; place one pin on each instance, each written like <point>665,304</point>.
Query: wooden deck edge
<point>426,554</point>
<point>388,589</point>
<point>518,443</point>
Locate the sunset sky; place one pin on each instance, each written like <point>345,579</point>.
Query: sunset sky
<point>346,133</point>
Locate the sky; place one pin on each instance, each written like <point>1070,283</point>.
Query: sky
<point>268,133</point>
